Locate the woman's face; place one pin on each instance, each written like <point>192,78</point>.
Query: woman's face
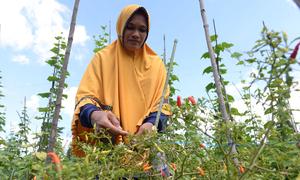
<point>135,33</point>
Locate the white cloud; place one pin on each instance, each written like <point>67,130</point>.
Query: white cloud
<point>14,127</point>
<point>258,108</point>
<point>33,103</point>
<point>69,103</point>
<point>294,103</point>
<point>15,28</point>
<point>80,35</point>
<point>33,24</point>
<point>22,59</point>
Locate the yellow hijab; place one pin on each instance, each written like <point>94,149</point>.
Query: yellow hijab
<point>128,84</point>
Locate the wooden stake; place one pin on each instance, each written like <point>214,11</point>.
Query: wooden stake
<point>53,134</point>
<point>218,82</point>
<point>166,85</point>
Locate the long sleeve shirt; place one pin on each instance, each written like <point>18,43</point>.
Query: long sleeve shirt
<point>86,111</point>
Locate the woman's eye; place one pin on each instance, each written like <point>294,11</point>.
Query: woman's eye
<point>130,27</point>
<point>143,30</point>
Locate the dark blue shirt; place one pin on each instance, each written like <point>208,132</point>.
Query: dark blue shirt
<point>86,111</point>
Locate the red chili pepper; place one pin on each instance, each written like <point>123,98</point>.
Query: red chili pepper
<point>242,169</point>
<point>163,174</point>
<point>192,100</point>
<point>294,53</point>
<point>173,166</point>
<point>202,146</point>
<point>146,167</point>
<point>55,159</point>
<point>179,101</point>
<point>201,171</point>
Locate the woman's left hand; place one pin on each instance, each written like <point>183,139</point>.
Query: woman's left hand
<point>144,128</point>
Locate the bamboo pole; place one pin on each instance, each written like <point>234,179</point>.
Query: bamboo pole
<point>165,53</point>
<point>53,134</point>
<point>166,84</point>
<point>217,80</point>
<point>297,2</point>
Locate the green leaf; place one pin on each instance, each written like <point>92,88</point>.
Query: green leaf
<point>250,61</point>
<point>236,55</point>
<point>285,36</point>
<point>58,38</point>
<point>51,62</point>
<point>240,63</point>
<point>213,38</point>
<point>269,110</point>
<point>268,124</point>
<point>52,78</point>
<point>55,50</point>
<point>223,71</point>
<point>174,77</point>
<point>208,70</point>
<point>44,95</point>
<point>41,155</point>
<point>36,167</point>
<point>210,86</point>
<point>226,45</point>
<point>43,109</point>
<point>235,112</point>
<point>205,55</point>
<point>65,96</point>
<point>230,98</point>
<point>225,83</point>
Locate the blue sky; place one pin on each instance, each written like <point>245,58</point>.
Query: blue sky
<point>28,28</point>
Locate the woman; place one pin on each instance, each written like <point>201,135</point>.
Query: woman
<point>122,86</point>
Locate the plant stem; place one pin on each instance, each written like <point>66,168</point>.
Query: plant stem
<point>260,149</point>
<point>182,168</point>
<point>269,170</point>
<point>216,75</point>
<point>166,84</point>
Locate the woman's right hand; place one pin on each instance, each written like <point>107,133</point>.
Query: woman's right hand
<point>107,120</point>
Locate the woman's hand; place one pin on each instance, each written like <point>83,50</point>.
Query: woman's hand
<point>144,128</point>
<point>107,120</point>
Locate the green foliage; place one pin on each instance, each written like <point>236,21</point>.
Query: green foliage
<point>2,113</point>
<point>196,135</point>
<point>12,164</point>
<point>269,55</point>
<point>47,112</point>
<point>101,40</point>
<point>24,130</point>
<point>270,86</point>
<point>172,79</point>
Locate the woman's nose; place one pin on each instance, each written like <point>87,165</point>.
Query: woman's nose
<point>135,34</point>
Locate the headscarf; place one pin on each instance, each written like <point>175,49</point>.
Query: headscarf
<point>130,84</point>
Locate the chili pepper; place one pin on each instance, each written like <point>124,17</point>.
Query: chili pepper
<point>202,146</point>
<point>55,159</point>
<point>192,100</point>
<point>201,171</point>
<point>294,53</point>
<point>241,169</point>
<point>146,166</point>
<point>173,166</point>
<point>179,101</point>
<point>163,174</point>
